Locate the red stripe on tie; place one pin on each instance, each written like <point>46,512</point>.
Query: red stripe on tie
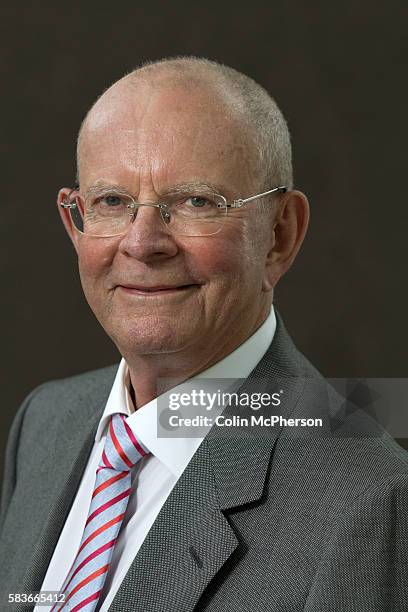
<point>86,581</point>
<point>89,558</point>
<point>136,444</point>
<point>86,601</point>
<point>107,483</point>
<point>118,446</point>
<point>104,527</point>
<point>107,505</point>
<point>106,461</point>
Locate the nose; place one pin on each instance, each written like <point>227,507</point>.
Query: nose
<point>147,238</point>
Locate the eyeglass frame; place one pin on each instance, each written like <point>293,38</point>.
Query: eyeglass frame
<point>238,203</point>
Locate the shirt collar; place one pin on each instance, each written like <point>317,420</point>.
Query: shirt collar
<point>176,453</point>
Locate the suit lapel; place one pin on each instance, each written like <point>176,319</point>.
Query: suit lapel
<point>73,442</point>
<point>190,540</point>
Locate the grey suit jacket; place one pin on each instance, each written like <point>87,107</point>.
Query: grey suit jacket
<point>271,521</point>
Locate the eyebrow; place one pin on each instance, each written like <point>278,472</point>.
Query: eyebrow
<point>196,187</point>
<point>101,187</point>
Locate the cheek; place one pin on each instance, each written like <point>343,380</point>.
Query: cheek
<point>225,261</point>
<point>211,258</point>
<point>94,259</point>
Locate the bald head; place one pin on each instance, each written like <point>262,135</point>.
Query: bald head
<point>243,102</point>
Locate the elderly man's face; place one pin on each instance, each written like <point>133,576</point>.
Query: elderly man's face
<point>209,289</point>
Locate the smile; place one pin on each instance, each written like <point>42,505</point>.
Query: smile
<point>155,291</point>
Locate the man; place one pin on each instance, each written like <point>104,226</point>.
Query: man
<point>180,271</point>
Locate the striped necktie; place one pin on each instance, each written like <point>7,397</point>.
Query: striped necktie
<point>83,585</point>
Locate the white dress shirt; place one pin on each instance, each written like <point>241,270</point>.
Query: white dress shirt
<point>156,474</point>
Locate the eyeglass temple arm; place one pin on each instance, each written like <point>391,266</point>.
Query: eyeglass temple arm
<point>66,203</point>
<point>240,202</point>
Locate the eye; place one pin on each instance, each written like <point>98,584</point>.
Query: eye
<point>111,201</point>
<point>111,204</point>
<point>198,201</point>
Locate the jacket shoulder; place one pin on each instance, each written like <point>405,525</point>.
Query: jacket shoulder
<point>38,416</point>
<point>86,382</point>
<point>55,396</point>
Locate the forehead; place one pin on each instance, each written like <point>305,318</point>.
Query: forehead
<point>172,134</point>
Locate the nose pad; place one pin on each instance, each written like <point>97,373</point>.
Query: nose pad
<point>164,214</point>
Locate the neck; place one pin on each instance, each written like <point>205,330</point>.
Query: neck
<point>154,374</point>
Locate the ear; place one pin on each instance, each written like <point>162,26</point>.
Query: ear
<point>66,217</point>
<point>289,228</point>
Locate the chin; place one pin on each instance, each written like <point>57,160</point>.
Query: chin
<point>150,337</point>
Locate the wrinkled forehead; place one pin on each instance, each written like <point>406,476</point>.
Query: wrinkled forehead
<point>172,133</point>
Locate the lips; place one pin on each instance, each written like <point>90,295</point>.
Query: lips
<point>155,288</point>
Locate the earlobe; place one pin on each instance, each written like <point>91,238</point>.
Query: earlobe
<point>66,217</point>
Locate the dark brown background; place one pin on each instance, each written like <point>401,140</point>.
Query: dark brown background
<point>337,69</point>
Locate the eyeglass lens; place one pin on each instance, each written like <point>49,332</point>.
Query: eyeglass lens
<point>111,215</point>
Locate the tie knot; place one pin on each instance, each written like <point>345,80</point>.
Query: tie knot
<point>122,449</point>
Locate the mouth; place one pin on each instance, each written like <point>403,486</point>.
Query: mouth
<point>156,290</point>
